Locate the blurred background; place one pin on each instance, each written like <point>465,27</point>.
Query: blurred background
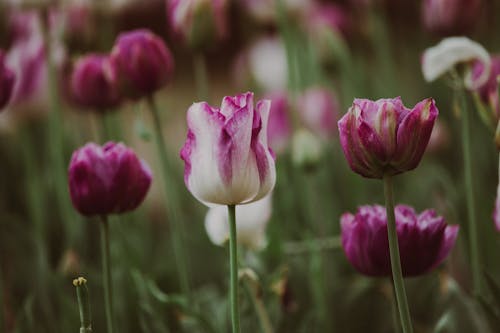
<point>280,50</point>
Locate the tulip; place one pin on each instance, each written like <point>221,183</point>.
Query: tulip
<point>141,63</point>
<point>319,110</point>
<point>7,79</point>
<point>268,64</point>
<point>107,180</point>
<point>442,58</point>
<point>450,17</point>
<point>226,155</point>
<point>488,91</point>
<point>279,129</point>
<point>251,224</point>
<point>199,22</point>
<point>425,239</point>
<point>306,149</point>
<point>91,86</point>
<point>384,138</point>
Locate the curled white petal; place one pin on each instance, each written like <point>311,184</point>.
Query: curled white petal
<point>251,222</point>
<point>443,57</point>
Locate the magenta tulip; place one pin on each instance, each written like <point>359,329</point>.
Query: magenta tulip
<point>450,17</point>
<point>226,155</point>
<point>383,137</point>
<point>488,91</point>
<point>425,240</point>
<point>7,78</point>
<point>107,180</point>
<point>279,128</point>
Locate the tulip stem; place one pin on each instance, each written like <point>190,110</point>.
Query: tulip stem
<point>397,274</point>
<point>172,212</point>
<point>201,76</point>
<point>106,270</point>
<point>82,293</point>
<point>233,262</point>
<point>469,193</point>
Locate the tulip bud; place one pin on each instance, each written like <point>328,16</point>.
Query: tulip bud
<point>226,155</point>
<point>306,149</point>
<point>425,238</point>
<point>384,137</point>
<point>7,78</point>
<point>199,22</point>
<point>450,17</point>
<point>91,86</point>
<point>279,129</point>
<point>141,63</point>
<point>251,222</point>
<point>319,110</point>
<point>107,180</point>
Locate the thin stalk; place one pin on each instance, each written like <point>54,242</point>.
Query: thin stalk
<point>233,261</point>
<point>397,274</point>
<point>396,322</point>
<point>106,273</point>
<point>469,193</point>
<point>106,128</point>
<point>82,294</point>
<point>170,202</point>
<point>260,309</point>
<point>201,76</point>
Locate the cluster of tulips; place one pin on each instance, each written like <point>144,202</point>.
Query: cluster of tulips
<point>230,151</point>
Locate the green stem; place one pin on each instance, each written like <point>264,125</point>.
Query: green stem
<point>82,293</point>
<point>106,127</point>
<point>396,322</point>
<point>397,274</point>
<point>313,245</point>
<point>201,76</point>
<point>260,309</point>
<point>176,233</point>
<point>106,270</point>
<point>469,192</point>
<point>233,261</point>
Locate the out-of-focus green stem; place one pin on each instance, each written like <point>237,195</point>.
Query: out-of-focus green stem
<point>260,308</point>
<point>320,244</point>
<point>396,322</point>
<point>82,293</point>
<point>469,193</point>
<point>397,274</point>
<point>106,273</point>
<point>233,261</point>
<point>171,202</point>
<point>106,128</point>
<point>201,76</point>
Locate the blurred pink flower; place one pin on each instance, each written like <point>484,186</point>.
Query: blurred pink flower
<point>319,109</point>
<point>107,180</point>
<point>488,91</point>
<point>7,79</point>
<point>226,155</point>
<point>384,137</point>
<point>279,129</point>
<point>425,240</point>
<point>450,17</point>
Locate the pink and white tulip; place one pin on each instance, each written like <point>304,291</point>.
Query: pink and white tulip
<point>279,128</point>
<point>251,223</point>
<point>226,154</point>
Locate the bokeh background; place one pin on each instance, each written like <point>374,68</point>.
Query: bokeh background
<point>372,50</point>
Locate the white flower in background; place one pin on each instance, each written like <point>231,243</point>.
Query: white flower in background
<point>251,222</point>
<point>443,57</point>
<point>268,65</point>
<point>306,148</point>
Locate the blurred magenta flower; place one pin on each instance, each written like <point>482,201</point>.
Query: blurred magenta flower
<point>443,57</point>
<point>91,86</point>
<point>107,180</point>
<point>7,79</point>
<point>488,91</point>
<point>384,137</point>
<point>425,240</point>
<point>440,137</point>
<point>199,22</point>
<point>251,223</point>
<point>323,17</point>
<point>141,63</point>
<point>279,129</point>
<point>226,155</point>
<point>450,17</point>
<point>319,110</point>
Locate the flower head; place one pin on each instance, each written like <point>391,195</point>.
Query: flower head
<point>319,110</point>
<point>226,155</point>
<point>251,222</point>
<point>384,137</point>
<point>199,22</point>
<point>7,79</point>
<point>450,17</point>
<point>279,129</point>
<point>451,51</point>
<point>488,91</point>
<point>141,63</point>
<point>107,179</point>
<point>425,240</point>
<point>91,86</point>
